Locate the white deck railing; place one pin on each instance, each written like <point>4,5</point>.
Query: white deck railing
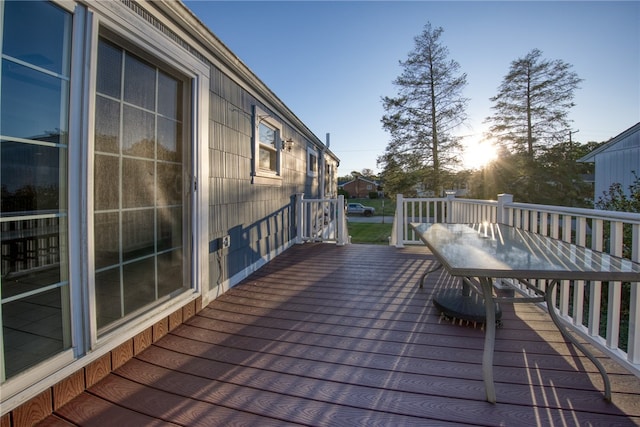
<point>321,220</point>
<point>606,314</point>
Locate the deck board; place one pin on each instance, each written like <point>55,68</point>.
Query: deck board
<point>327,335</point>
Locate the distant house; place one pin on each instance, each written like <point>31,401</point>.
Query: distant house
<point>145,169</point>
<point>616,161</point>
<point>360,187</point>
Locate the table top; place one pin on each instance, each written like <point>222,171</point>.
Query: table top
<point>498,250</point>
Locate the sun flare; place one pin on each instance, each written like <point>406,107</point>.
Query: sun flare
<point>478,153</point>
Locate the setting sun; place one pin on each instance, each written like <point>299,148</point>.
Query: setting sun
<point>478,154</point>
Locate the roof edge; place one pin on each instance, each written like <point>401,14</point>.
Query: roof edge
<point>590,158</point>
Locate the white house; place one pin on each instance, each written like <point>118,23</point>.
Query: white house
<point>616,161</point>
<point>144,170</point>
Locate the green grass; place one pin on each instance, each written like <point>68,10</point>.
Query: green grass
<point>364,232</point>
<point>389,205</point>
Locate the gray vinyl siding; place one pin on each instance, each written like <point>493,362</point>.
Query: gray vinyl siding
<point>259,218</point>
<point>220,95</point>
<point>616,167</point>
<point>616,162</point>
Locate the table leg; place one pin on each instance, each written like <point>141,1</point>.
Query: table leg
<point>579,346</point>
<point>424,276</point>
<point>489,339</point>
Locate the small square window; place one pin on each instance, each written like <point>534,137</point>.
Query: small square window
<point>267,149</point>
<point>267,146</point>
<point>312,162</point>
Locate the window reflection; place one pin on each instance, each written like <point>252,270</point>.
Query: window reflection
<point>267,159</point>
<point>106,182</point>
<point>267,150</point>
<point>30,255</point>
<point>169,140</point>
<point>106,239</point>
<point>267,135</point>
<point>138,238</point>
<point>108,75</point>
<point>169,184</point>
<point>138,188</point>
<point>34,105</point>
<point>108,297</point>
<point>32,330</point>
<point>107,125</point>
<point>30,178</point>
<point>169,228</point>
<point>138,183</point>
<point>139,83</point>
<point>138,133</point>
<point>169,96</point>
<point>169,271</point>
<point>138,284</point>
<point>36,33</point>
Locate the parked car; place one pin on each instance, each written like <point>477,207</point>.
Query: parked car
<point>358,208</point>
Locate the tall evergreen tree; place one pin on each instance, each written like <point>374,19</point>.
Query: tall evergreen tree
<point>428,107</point>
<point>533,103</point>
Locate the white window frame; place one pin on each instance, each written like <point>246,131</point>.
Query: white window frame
<point>88,19</point>
<point>312,167</point>
<point>11,388</point>
<point>261,175</point>
<point>144,39</point>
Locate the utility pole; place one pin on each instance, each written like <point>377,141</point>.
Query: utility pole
<point>570,141</point>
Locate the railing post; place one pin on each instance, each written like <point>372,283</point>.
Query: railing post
<point>449,217</point>
<point>299,218</point>
<point>503,214</point>
<point>343,239</point>
<point>399,221</point>
<point>633,347</point>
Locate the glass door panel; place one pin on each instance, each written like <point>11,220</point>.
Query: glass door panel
<point>139,196</point>
<point>34,103</point>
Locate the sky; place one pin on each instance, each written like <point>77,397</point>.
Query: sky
<point>331,62</point>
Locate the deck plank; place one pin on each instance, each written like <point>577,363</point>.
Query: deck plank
<point>88,409</point>
<point>327,335</point>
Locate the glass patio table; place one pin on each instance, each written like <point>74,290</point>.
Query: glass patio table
<point>481,253</point>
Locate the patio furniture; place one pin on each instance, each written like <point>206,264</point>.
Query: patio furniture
<point>481,253</point>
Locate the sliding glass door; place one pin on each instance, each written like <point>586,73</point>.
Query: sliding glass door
<point>140,198</point>
<point>34,105</point>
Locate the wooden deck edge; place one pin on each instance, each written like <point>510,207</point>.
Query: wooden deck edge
<point>41,406</point>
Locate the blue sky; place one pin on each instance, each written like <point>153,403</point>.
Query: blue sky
<point>331,62</point>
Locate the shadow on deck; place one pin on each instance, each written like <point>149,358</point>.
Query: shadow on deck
<point>329,336</point>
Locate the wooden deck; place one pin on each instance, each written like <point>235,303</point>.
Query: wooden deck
<point>343,336</point>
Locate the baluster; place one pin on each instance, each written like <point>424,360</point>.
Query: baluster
<point>595,287</point>
<point>615,290</point>
<point>578,291</point>
<point>633,348</point>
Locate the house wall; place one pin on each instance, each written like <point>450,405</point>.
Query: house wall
<point>224,192</point>
<point>256,215</point>
<point>616,164</point>
<point>359,188</point>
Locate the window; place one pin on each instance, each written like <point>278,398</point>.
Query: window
<point>34,109</point>
<point>93,229</point>
<point>329,184</point>
<point>139,199</point>
<point>268,157</point>
<point>267,147</point>
<point>312,162</point>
